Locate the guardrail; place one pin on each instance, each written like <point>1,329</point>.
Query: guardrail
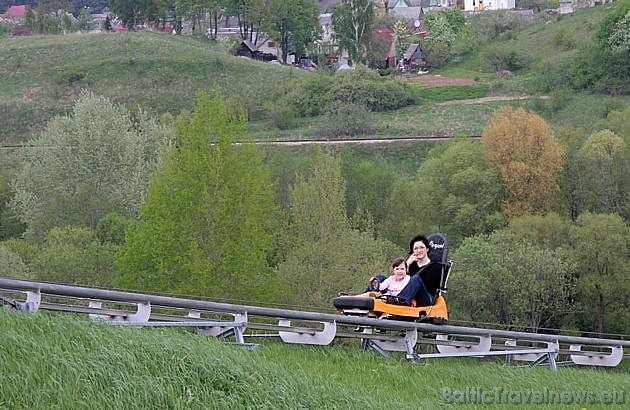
<point>292,326</point>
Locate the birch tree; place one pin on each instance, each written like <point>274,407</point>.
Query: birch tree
<point>352,25</point>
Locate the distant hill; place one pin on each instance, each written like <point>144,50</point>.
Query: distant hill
<point>41,76</point>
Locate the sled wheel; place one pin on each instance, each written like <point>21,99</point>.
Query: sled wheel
<point>437,320</point>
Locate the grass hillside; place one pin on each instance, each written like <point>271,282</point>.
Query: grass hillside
<point>53,361</point>
<point>41,76</point>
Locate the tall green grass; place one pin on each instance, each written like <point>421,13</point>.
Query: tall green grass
<point>52,361</point>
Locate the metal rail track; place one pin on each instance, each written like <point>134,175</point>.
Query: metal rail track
<point>226,320</point>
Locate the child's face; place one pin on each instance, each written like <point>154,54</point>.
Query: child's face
<point>400,271</point>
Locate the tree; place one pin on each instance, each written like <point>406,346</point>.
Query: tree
<point>520,146</point>
<point>400,38</point>
<point>503,278</point>
<point>108,24</point>
<point>603,161</point>
<point>609,34</point>
<point>86,164</point>
<point>208,221</point>
<point>294,24</point>
<point>368,183</point>
<point>600,252</point>
<point>571,178</point>
<point>132,12</point>
<point>614,41</point>
<point>352,23</point>
<point>459,192</point>
<point>321,254</point>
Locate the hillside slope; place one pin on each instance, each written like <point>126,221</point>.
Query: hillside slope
<point>53,361</point>
<point>41,76</point>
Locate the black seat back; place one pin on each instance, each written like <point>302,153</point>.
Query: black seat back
<point>439,253</point>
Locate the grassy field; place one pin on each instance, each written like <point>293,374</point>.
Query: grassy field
<point>65,362</point>
<point>41,76</point>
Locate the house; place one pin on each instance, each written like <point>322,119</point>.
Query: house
<point>383,45</point>
<point>414,58</point>
<point>15,15</point>
<point>265,50</point>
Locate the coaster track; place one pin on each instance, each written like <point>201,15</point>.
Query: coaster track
<point>241,322</point>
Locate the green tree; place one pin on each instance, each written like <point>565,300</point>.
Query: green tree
<point>406,213</point>
<point>368,183</point>
<point>10,227</point>
<point>352,24</point>
<point>208,221</point>
<point>108,24</point>
<point>613,39</point>
<point>608,32</point>
<point>30,21</point>
<point>294,24</point>
<point>550,231</point>
<point>133,12</point>
<point>527,158</point>
<point>599,250</point>
<point>321,254</point>
<point>603,161</point>
<point>617,122</point>
<point>461,194</point>
<point>86,164</point>
<point>504,278</point>
<point>570,178</point>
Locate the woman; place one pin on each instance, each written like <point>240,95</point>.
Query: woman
<point>425,274</point>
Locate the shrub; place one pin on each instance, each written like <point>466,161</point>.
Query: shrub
<point>553,74</point>
<point>309,94</point>
<point>502,58</point>
<point>316,93</point>
<point>558,98</point>
<point>564,39</point>
<point>346,120</point>
<point>281,115</point>
<point>365,87</point>
<point>70,76</point>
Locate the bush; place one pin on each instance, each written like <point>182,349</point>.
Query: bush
<point>554,74</point>
<point>346,120</point>
<point>502,58</point>
<point>281,116</point>
<point>70,76</point>
<point>564,39</point>
<point>309,94</point>
<point>316,93</point>
<point>558,98</point>
<point>365,87</point>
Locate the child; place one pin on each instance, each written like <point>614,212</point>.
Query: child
<point>395,283</point>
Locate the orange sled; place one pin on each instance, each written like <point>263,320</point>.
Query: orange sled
<point>377,305</point>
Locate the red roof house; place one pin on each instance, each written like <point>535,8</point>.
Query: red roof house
<point>383,43</point>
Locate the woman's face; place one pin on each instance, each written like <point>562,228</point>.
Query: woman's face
<point>419,250</point>
<point>400,271</point>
